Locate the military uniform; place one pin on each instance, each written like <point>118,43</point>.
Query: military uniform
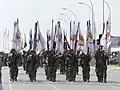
<point>32,66</point>
<point>85,60</point>
<point>101,65</point>
<point>13,67</point>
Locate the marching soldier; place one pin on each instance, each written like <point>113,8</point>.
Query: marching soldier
<point>32,66</point>
<point>71,66</point>
<point>85,60</point>
<point>13,65</point>
<point>101,64</point>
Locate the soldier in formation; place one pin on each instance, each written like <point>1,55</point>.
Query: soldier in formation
<point>67,62</point>
<point>101,64</point>
<point>32,64</point>
<point>13,65</point>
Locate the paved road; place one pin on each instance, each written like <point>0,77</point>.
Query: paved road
<point>41,84</point>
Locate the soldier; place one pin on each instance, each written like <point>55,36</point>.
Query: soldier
<point>101,66</point>
<point>85,60</point>
<point>71,66</point>
<point>32,66</point>
<point>53,64</point>
<point>13,65</point>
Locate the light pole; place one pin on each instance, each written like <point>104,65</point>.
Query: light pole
<point>71,12</point>
<point>93,19</point>
<point>66,16</point>
<point>93,22</point>
<point>109,17</point>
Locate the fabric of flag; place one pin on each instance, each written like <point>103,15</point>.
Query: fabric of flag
<point>35,35</point>
<point>65,42</point>
<point>81,39</point>
<point>40,42</point>
<point>89,33</point>
<point>89,41</point>
<point>48,40</point>
<point>17,43</point>
<point>59,41</point>
<point>76,40</point>
<point>30,39</point>
<point>108,28</point>
<point>25,43</point>
<point>52,36</point>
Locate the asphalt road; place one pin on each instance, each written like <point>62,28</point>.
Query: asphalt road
<point>113,82</point>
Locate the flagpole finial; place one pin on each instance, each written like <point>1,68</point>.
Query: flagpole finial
<point>14,23</point>
<point>87,23</point>
<point>17,20</point>
<point>52,20</point>
<point>58,23</point>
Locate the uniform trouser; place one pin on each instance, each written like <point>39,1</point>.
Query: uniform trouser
<point>86,73</point>
<point>52,73</point>
<point>105,73</point>
<point>13,73</point>
<point>71,73</point>
<point>47,72</point>
<point>32,74</point>
<point>101,72</point>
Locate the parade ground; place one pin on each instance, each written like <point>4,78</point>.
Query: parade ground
<point>23,83</point>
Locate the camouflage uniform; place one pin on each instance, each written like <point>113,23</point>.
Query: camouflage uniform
<point>71,63</point>
<point>101,66</point>
<point>13,65</point>
<point>85,60</point>
<point>32,66</point>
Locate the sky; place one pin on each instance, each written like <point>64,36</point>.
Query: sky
<point>29,11</point>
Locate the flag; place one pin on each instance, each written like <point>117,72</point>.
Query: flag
<point>66,44</point>
<point>76,37</point>
<point>89,41</point>
<point>40,42</point>
<point>59,43</point>
<point>108,29</point>
<point>35,35</point>
<point>17,42</point>
<point>30,39</point>
<point>48,39</point>
<point>25,43</point>
<point>52,37</point>
<point>81,38</point>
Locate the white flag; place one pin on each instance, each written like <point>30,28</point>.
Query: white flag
<point>17,43</point>
<point>40,41</point>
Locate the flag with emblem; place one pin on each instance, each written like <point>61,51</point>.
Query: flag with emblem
<point>89,40</point>
<point>17,42</point>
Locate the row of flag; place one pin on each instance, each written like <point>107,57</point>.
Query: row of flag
<point>56,37</point>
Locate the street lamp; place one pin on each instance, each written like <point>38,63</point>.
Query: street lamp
<point>93,22</point>
<point>71,12</point>
<point>109,17</point>
<point>93,18</point>
<point>66,16</point>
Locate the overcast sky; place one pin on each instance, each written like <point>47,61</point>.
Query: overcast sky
<point>29,11</point>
